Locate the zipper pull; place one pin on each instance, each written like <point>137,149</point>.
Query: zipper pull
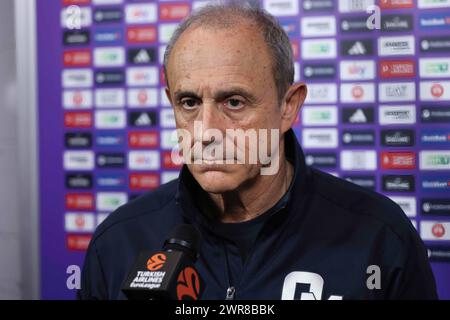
<point>230,293</point>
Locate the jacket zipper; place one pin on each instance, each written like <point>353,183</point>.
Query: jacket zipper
<point>230,293</point>
<point>231,290</point>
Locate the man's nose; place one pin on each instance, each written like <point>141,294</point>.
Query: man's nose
<point>211,123</point>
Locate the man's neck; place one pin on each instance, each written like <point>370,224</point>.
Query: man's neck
<point>247,203</point>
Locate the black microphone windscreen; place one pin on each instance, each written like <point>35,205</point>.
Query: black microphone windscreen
<point>184,237</point>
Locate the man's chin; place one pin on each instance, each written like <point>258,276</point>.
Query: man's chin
<point>216,181</point>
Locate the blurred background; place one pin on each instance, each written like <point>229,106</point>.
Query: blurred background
<point>85,125</point>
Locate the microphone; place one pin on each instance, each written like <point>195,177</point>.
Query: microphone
<point>169,274</point>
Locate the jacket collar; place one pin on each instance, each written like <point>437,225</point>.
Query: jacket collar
<point>188,188</point>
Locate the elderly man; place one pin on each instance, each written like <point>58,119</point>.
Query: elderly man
<point>291,232</point>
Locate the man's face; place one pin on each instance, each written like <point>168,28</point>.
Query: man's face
<point>223,78</point>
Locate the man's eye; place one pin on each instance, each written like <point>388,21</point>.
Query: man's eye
<point>234,104</point>
<point>189,103</point>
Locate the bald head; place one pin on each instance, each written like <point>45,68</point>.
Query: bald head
<point>234,15</point>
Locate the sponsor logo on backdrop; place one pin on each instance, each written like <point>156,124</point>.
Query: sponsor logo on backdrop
<point>167,118</point>
<point>110,98</point>
<point>169,161</point>
<point>78,181</point>
<point>354,24</point>
<point>282,7</point>
<point>434,160</point>
<point>397,91</point>
<point>428,4</point>
<point>142,97</point>
<point>143,139</point>
<point>77,78</point>
<point>146,34</point>
<point>144,181</point>
<point>78,242</point>
<point>435,230</point>
<point>79,201</point>
<point>392,115</point>
<point>320,138</point>
<point>435,44</point>
<point>110,119</point>
<point>346,6</point>
<point>76,37</point>
<point>109,78</point>
<point>176,11</point>
<point>318,5</point>
<point>321,160</point>
<point>321,93</point>
<point>319,71</point>
<point>358,138</point>
<point>77,58</point>
<point>78,160</point>
<point>434,21</point>
<point>108,36</point>
<point>318,116</point>
<point>141,13</point>
<point>354,48</point>
<point>114,181</point>
<point>358,115</point>
<point>436,183</point>
<point>435,90</point>
<point>358,160</point>
<point>357,70</point>
<point>435,114</point>
<point>141,55</point>
<point>165,31</point>
<point>142,119</point>
<point>78,119</point>
<point>408,204</point>
<point>143,160</point>
<point>368,182</point>
<point>109,139</point>
<point>168,176</point>
<point>109,57</point>
<point>396,4</point>
<point>110,160</point>
<point>398,138</point>
<point>108,15</point>
<point>398,183</point>
<point>435,137</point>
<point>397,69</point>
<point>438,253</point>
<point>77,99</point>
<point>405,160</point>
<point>434,67</point>
<point>318,26</point>
<point>110,201</point>
<point>357,92</point>
<point>319,49</point>
<point>79,222</point>
<point>394,46</point>
<point>78,140</point>
<point>396,22</point>
<point>142,76</point>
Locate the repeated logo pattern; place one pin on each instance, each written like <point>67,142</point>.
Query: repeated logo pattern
<point>377,113</point>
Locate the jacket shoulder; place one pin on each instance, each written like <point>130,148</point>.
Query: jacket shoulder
<point>148,203</point>
<point>356,200</point>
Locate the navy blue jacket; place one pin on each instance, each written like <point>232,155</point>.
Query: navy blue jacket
<point>326,239</point>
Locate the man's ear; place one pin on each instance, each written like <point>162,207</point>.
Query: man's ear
<point>293,101</point>
<point>167,90</point>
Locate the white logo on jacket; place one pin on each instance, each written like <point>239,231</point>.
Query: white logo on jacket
<point>315,282</point>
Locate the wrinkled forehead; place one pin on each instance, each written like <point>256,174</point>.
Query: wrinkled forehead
<point>209,51</point>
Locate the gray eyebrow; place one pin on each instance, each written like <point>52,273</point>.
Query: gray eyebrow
<point>219,95</point>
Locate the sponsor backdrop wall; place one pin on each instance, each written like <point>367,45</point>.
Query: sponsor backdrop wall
<point>377,114</point>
